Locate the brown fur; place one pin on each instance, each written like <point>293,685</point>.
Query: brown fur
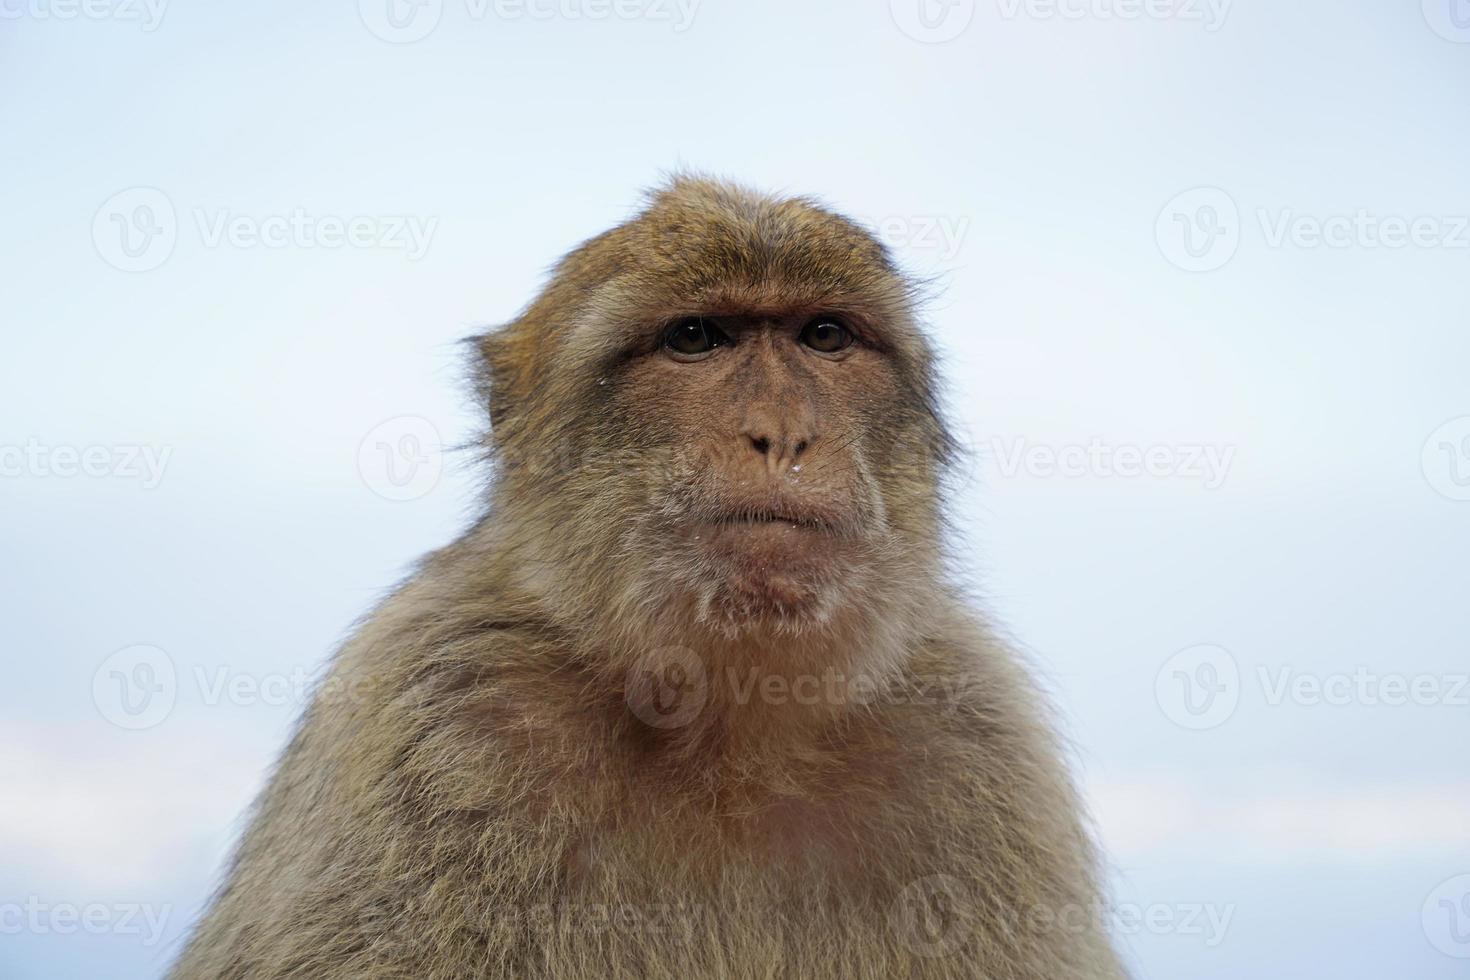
<point>499,777</point>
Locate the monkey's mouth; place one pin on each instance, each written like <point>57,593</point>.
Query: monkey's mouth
<point>770,556</point>
<point>776,518</point>
<point>772,537</point>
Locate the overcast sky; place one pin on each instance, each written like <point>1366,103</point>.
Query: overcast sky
<point>1200,276</point>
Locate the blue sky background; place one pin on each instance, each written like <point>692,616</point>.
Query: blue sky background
<point>1059,171</point>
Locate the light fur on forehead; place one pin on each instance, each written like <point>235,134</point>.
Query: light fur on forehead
<point>699,246</point>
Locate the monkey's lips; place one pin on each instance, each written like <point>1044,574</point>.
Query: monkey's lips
<point>801,527</point>
<point>789,519</point>
<point>780,554</point>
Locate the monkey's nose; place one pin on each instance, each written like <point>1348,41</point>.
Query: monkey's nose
<point>778,452</point>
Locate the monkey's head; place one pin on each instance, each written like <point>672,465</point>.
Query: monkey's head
<point>719,416</point>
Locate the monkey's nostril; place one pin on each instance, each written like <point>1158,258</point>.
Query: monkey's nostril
<point>800,447</point>
<point>762,445</point>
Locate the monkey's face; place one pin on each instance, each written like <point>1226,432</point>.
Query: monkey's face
<point>748,406</point>
<point>768,434</point>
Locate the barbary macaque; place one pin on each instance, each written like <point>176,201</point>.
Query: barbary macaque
<point>696,696</point>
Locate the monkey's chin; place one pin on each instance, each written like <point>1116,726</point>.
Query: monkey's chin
<point>773,570</point>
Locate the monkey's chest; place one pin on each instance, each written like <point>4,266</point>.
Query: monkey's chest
<point>766,839</point>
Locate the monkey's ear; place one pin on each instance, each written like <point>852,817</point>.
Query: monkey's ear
<point>494,377</point>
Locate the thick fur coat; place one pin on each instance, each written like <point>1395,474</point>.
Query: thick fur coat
<point>584,742</point>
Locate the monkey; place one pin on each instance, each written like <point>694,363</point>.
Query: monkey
<point>697,694</point>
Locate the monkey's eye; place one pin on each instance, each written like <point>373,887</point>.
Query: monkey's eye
<point>826,336</point>
<point>693,336</point>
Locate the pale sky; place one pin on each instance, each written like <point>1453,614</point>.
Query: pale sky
<point>1200,277</point>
